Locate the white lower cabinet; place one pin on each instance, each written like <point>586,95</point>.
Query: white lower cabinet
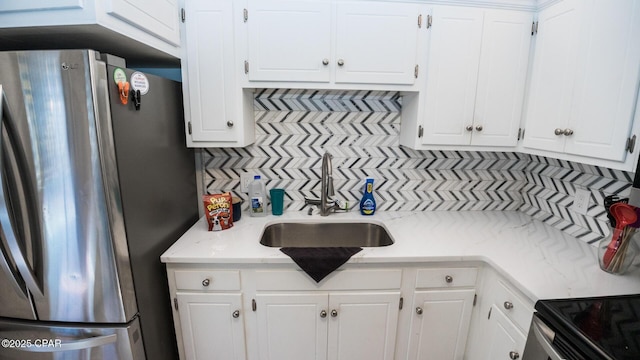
<point>441,313</point>
<point>212,325</point>
<point>501,321</point>
<point>505,340</point>
<point>440,324</point>
<point>336,325</point>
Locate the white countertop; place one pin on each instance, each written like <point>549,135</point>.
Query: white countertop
<point>543,262</point>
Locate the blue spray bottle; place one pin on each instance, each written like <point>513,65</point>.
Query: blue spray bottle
<point>368,202</point>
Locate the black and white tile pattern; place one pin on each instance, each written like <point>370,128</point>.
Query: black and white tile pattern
<point>361,128</point>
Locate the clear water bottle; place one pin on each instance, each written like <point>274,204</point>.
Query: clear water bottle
<point>257,197</point>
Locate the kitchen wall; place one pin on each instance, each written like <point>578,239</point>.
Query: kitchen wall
<point>361,128</point>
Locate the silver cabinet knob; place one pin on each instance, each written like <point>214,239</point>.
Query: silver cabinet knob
<point>230,123</point>
<point>567,132</point>
<point>479,128</point>
<point>236,314</point>
<point>325,61</point>
<point>419,310</point>
<point>469,128</point>
<point>558,131</point>
<point>323,314</point>
<point>508,305</point>
<point>206,282</point>
<point>334,313</point>
<point>448,279</point>
<point>513,355</point>
<point>340,62</point>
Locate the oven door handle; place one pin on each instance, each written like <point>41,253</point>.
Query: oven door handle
<point>544,341</point>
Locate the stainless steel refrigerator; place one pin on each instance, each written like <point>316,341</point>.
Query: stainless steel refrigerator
<point>92,192</point>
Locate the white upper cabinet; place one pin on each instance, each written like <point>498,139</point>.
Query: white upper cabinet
<point>332,42</point>
<point>585,77</point>
<point>156,16</point>
<point>218,113</point>
<point>476,75</point>
<point>152,25</point>
<point>289,40</point>
<point>376,43</point>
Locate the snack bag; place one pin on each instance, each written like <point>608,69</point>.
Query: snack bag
<point>218,210</point>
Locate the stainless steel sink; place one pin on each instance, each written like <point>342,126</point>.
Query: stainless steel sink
<point>325,234</point>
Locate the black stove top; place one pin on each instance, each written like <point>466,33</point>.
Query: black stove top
<point>601,328</point>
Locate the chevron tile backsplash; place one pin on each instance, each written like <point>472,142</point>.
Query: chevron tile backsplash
<point>361,129</point>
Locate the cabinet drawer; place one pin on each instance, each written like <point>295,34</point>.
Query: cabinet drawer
<point>449,277</point>
<point>513,306</point>
<point>207,280</point>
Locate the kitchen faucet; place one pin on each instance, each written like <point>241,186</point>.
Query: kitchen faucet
<point>326,204</point>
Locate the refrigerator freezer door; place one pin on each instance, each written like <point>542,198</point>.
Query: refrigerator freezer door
<point>27,340</point>
<point>59,105</point>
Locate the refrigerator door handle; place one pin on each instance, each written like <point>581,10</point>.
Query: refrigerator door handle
<point>82,344</point>
<point>5,222</point>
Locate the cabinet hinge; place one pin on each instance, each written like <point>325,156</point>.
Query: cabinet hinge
<point>175,303</point>
<point>420,21</point>
<point>420,131</point>
<point>189,127</point>
<point>254,306</point>
<point>631,144</point>
<point>429,21</point>
<point>183,14</point>
<point>475,299</point>
<point>246,67</point>
<point>534,28</point>
<point>489,316</point>
<point>415,71</point>
<point>401,303</point>
<point>245,14</point>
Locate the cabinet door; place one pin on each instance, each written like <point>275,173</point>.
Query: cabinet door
<point>604,98</point>
<point>363,325</point>
<point>440,324</point>
<point>289,40</point>
<point>212,326</point>
<point>452,74</point>
<point>292,326</point>
<point>158,17</point>
<point>553,75</point>
<point>505,339</point>
<point>376,42</point>
<point>506,39</point>
<point>208,70</point>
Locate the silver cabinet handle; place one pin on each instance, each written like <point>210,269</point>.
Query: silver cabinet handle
<point>479,128</point>
<point>325,61</point>
<point>448,279</point>
<point>236,314</point>
<point>419,310</point>
<point>340,62</point>
<point>323,314</point>
<point>513,355</point>
<point>230,124</point>
<point>508,305</point>
<point>334,313</point>
<point>206,282</point>
<point>567,132</point>
<point>558,131</point>
<point>469,128</point>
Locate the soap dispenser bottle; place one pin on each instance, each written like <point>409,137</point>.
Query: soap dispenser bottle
<point>368,202</point>
<point>257,197</point>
